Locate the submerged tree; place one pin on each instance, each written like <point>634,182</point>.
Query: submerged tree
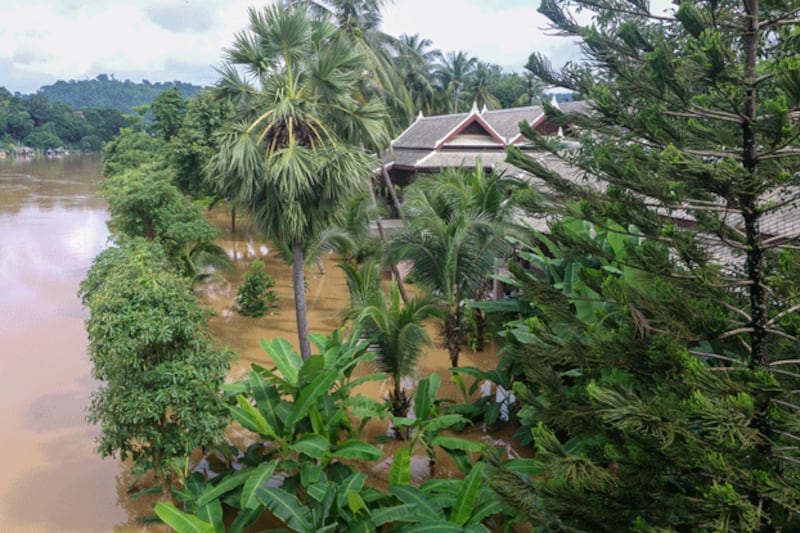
<point>144,203</point>
<point>455,233</point>
<point>395,329</point>
<point>151,350</point>
<point>673,405</point>
<point>289,159</point>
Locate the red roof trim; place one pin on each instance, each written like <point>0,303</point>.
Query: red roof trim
<point>535,124</point>
<point>472,117</point>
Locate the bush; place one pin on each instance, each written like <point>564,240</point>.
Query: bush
<point>255,295</point>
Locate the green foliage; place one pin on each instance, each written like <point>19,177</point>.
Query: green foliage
<point>168,109</point>
<point>255,294</point>
<point>159,370</point>
<point>131,149</point>
<point>307,409</point>
<point>659,377</point>
<point>292,155</point>
<point>107,92</point>
<point>195,143</point>
<point>36,121</point>
<point>43,137</point>
<point>457,220</point>
<point>144,203</point>
<point>396,331</point>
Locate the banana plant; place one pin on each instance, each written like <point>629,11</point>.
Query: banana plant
<point>424,429</point>
<point>443,504</point>
<point>301,412</point>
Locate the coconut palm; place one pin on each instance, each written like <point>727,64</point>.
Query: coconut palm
<point>288,158</point>
<point>396,330</point>
<point>454,72</point>
<point>414,61</point>
<point>479,85</point>
<point>457,223</point>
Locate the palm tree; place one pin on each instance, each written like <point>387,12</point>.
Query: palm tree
<point>396,330</point>
<point>483,75</point>
<point>415,61</point>
<point>454,72</point>
<point>457,223</point>
<point>360,21</point>
<point>289,159</point>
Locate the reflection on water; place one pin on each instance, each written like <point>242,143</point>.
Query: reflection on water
<point>327,295</point>
<point>53,224</point>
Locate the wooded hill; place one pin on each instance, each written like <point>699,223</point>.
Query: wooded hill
<point>105,91</point>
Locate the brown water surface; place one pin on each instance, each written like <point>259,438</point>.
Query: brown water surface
<point>52,223</point>
<point>327,295</point>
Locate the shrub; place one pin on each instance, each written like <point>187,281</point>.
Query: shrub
<point>255,295</point>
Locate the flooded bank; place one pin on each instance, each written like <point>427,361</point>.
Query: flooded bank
<point>53,224</point>
<point>327,295</point>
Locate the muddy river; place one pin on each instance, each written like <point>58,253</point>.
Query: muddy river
<point>52,223</point>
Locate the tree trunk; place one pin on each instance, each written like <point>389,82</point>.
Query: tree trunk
<point>387,181</point>
<point>452,336</point>
<point>401,286</point>
<point>301,312</point>
<point>158,471</point>
<point>233,219</point>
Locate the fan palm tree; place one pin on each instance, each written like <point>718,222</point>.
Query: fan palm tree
<point>396,330</point>
<point>457,223</point>
<point>289,159</point>
<point>360,21</point>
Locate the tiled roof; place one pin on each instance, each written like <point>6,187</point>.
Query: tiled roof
<point>506,121</point>
<point>427,132</point>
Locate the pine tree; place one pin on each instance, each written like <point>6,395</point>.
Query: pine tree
<point>661,368</point>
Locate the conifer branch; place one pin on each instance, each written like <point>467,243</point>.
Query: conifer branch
<point>783,153</point>
<point>734,332</point>
<point>787,18</point>
<point>717,356</point>
<point>737,310</point>
<point>789,435</point>
<point>785,362</point>
<point>782,314</point>
<point>784,372</point>
<point>783,334</point>
<point>785,404</point>
<point>786,458</point>
<point>716,154</point>
<point>706,114</point>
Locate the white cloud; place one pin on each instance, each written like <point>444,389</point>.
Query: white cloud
<point>78,40</point>
<point>164,40</point>
<point>505,33</point>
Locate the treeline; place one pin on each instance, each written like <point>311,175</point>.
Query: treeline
<point>105,91</point>
<point>35,121</point>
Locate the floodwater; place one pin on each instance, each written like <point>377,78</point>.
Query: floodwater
<point>327,295</point>
<point>52,224</point>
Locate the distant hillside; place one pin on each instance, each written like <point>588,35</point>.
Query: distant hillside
<point>105,91</point>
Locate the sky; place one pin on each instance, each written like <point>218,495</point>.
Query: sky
<point>43,41</point>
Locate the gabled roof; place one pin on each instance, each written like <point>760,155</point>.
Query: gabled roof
<point>426,132</point>
<point>506,121</point>
<point>434,133</point>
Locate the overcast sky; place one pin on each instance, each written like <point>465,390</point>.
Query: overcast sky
<point>42,41</point>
